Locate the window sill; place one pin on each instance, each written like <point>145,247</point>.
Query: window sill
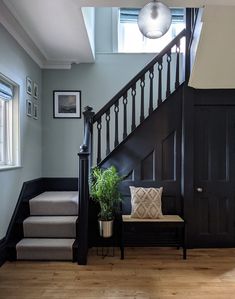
<point>4,167</point>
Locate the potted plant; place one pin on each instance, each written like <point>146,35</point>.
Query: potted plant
<point>104,190</point>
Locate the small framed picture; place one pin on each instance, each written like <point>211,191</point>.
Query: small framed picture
<point>29,85</point>
<point>29,108</point>
<point>35,90</point>
<point>35,111</point>
<point>67,104</point>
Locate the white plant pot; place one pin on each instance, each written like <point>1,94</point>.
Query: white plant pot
<point>106,228</point>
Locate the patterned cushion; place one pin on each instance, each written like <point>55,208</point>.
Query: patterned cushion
<point>146,202</point>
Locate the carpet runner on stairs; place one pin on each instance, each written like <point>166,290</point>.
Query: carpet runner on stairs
<point>50,230</point>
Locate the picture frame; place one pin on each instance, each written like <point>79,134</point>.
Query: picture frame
<point>29,108</point>
<point>35,111</point>
<point>29,86</point>
<point>35,90</point>
<point>67,104</point>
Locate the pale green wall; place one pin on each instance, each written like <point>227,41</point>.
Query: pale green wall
<point>16,64</point>
<point>103,30</point>
<point>98,82</point>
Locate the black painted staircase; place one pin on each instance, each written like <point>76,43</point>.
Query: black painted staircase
<point>44,230</point>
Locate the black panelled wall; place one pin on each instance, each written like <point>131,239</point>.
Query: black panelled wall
<point>151,156</point>
<point>209,165</point>
<point>187,146</point>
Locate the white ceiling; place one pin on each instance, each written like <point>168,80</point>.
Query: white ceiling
<point>54,32</point>
<point>55,27</point>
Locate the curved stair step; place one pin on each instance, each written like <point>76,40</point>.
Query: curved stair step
<point>50,227</point>
<point>45,249</point>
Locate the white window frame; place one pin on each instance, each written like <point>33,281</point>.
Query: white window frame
<point>10,125</point>
<point>117,36</point>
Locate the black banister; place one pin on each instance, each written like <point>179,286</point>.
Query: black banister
<point>138,76</point>
<point>85,161</point>
<point>151,86</point>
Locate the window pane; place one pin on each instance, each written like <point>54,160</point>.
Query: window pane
<point>130,38</point>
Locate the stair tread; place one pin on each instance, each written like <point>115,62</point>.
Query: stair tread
<point>55,203</point>
<point>56,196</point>
<point>44,242</point>
<point>50,219</point>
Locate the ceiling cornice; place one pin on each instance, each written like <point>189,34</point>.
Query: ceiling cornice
<point>20,35</point>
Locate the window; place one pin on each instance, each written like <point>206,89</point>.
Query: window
<point>9,153</point>
<point>130,38</point>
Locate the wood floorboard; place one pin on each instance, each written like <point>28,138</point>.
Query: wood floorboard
<point>146,273</point>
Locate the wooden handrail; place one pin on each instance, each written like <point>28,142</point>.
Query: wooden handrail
<point>138,76</point>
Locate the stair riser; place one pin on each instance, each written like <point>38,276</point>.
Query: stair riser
<point>35,230</point>
<point>58,254</point>
<point>51,209</point>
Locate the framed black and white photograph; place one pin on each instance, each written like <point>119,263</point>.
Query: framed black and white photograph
<point>29,108</point>
<point>35,90</point>
<point>67,104</point>
<point>35,111</point>
<point>29,85</point>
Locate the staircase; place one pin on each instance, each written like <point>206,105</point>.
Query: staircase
<point>50,230</point>
<point>57,226</point>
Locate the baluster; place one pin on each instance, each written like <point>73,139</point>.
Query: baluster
<point>151,76</point>
<point>160,81</point>
<point>168,84</point>
<point>107,117</point>
<point>116,110</point>
<point>125,115</point>
<point>177,75</point>
<point>99,127</point>
<point>142,85</point>
<point>133,93</point>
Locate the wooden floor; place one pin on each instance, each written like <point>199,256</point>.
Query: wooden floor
<point>145,273</point>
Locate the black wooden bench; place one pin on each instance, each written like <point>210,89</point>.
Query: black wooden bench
<point>138,226</point>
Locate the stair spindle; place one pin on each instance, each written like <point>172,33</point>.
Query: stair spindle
<point>160,67</point>
<point>116,111</point>
<point>99,127</point>
<point>142,85</point>
<point>151,76</point>
<point>177,81</point>
<point>133,93</point>
<point>107,118</point>
<point>168,84</point>
<point>125,101</point>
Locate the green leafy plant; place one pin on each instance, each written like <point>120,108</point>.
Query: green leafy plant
<point>104,190</point>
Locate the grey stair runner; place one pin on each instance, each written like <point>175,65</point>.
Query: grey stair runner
<point>50,231</point>
<point>45,249</point>
<point>50,227</point>
<point>55,203</point>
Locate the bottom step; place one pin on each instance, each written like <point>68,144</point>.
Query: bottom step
<point>45,249</point>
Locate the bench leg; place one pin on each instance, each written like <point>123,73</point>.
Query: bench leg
<point>185,243</point>
<point>122,253</point>
<point>122,242</point>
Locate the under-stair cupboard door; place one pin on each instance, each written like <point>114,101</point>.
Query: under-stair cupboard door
<point>214,175</point>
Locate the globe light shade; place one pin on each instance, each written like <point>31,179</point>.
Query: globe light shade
<point>154,19</point>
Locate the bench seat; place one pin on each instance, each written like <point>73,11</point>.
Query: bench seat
<point>165,218</point>
<point>166,221</point>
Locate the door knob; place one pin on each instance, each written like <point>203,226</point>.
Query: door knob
<point>199,189</point>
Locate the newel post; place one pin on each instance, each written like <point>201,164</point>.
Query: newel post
<point>83,187</point>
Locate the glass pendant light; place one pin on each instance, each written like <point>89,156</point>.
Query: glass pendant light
<point>154,19</point>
